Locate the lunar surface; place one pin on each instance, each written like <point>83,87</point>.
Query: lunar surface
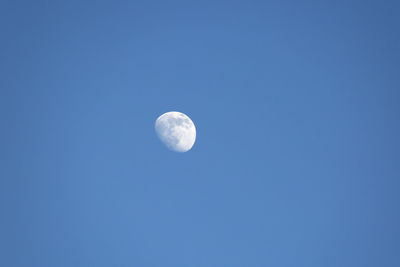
<point>176,131</point>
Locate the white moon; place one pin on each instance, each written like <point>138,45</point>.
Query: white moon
<point>176,131</point>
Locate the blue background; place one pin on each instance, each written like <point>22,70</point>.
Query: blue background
<point>296,161</point>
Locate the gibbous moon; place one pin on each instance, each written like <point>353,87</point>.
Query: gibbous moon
<point>176,131</point>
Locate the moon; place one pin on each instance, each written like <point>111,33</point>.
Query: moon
<point>176,131</point>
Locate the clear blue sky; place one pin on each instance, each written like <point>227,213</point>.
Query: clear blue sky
<point>296,161</point>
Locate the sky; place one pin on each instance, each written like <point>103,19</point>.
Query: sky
<point>296,106</point>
